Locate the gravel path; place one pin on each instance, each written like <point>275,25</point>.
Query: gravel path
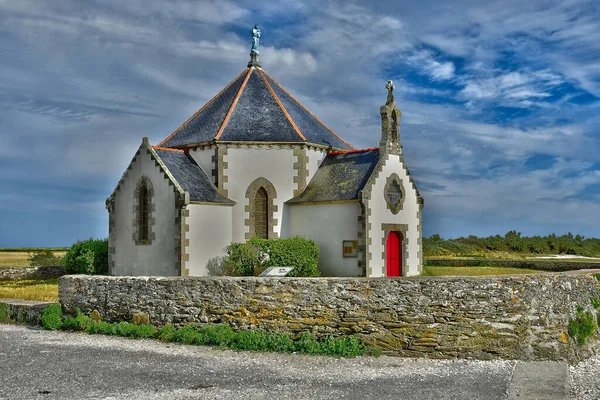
<point>38,364</point>
<point>585,379</point>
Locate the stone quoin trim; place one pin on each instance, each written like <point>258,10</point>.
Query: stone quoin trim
<point>300,166</point>
<point>362,240</point>
<point>271,207</point>
<point>402,228</point>
<point>420,239</point>
<point>394,208</point>
<point>219,171</point>
<point>181,240</point>
<point>144,181</point>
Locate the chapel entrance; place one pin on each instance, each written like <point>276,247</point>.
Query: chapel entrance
<point>393,254</point>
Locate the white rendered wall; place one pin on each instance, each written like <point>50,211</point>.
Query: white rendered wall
<point>381,214</point>
<point>157,258</point>
<point>328,225</point>
<point>244,165</point>
<point>314,160</point>
<point>204,159</point>
<point>209,234</point>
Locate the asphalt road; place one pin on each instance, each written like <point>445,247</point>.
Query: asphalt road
<point>37,364</point>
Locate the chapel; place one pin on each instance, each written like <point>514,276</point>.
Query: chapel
<point>254,161</point>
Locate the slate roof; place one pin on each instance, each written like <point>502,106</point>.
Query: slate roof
<point>191,177</point>
<point>254,107</point>
<point>340,176</point>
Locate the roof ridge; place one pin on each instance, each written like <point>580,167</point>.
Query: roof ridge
<point>308,111</point>
<point>203,107</point>
<point>157,147</point>
<point>233,104</point>
<point>353,151</point>
<point>287,115</point>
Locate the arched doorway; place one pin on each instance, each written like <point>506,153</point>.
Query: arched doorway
<point>393,254</point>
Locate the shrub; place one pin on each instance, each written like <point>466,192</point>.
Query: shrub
<point>88,257</point>
<point>296,251</point>
<point>582,326</point>
<point>77,323</point>
<point>45,257</point>
<point>52,318</point>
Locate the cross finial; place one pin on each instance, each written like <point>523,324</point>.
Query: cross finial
<point>390,87</point>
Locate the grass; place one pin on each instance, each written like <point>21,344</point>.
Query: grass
<point>220,335</point>
<point>10,258</point>
<point>474,271</point>
<point>40,289</point>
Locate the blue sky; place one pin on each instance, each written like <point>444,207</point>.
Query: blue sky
<point>500,101</point>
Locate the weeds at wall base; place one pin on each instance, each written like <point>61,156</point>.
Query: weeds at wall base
<point>220,335</point>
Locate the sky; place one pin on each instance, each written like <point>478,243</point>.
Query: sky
<point>500,100</point>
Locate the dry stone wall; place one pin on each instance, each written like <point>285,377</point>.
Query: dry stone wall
<point>32,272</point>
<point>511,317</point>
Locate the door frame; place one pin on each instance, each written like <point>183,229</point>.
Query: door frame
<point>401,229</point>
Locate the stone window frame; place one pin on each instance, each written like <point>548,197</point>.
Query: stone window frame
<point>402,229</point>
<point>395,209</point>
<point>271,207</point>
<point>144,181</point>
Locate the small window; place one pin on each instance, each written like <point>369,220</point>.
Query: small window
<point>144,217</point>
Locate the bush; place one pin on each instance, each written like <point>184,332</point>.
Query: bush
<point>45,257</point>
<point>582,326</point>
<point>52,318</point>
<point>88,257</point>
<point>302,254</point>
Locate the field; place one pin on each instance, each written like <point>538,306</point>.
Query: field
<point>19,258</point>
<point>40,289</point>
<point>474,271</point>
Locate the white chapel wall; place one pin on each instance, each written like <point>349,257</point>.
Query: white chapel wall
<point>204,158</point>
<point>244,165</point>
<point>380,214</point>
<point>157,258</point>
<point>314,160</point>
<point>328,225</point>
<point>209,234</point>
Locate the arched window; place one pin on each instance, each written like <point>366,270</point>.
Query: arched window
<point>261,209</point>
<point>261,214</point>
<point>144,217</point>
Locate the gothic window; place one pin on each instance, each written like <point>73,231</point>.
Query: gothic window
<point>261,214</point>
<point>144,217</point>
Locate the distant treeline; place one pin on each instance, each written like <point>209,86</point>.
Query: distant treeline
<point>512,242</point>
<point>33,249</point>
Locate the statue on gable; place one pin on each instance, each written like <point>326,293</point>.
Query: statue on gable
<point>255,39</point>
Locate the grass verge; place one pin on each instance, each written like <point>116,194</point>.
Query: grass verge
<point>40,289</point>
<point>211,335</point>
<point>474,271</point>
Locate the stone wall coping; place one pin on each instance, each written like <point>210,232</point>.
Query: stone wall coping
<point>334,279</point>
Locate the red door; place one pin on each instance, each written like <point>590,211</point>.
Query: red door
<point>393,254</point>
